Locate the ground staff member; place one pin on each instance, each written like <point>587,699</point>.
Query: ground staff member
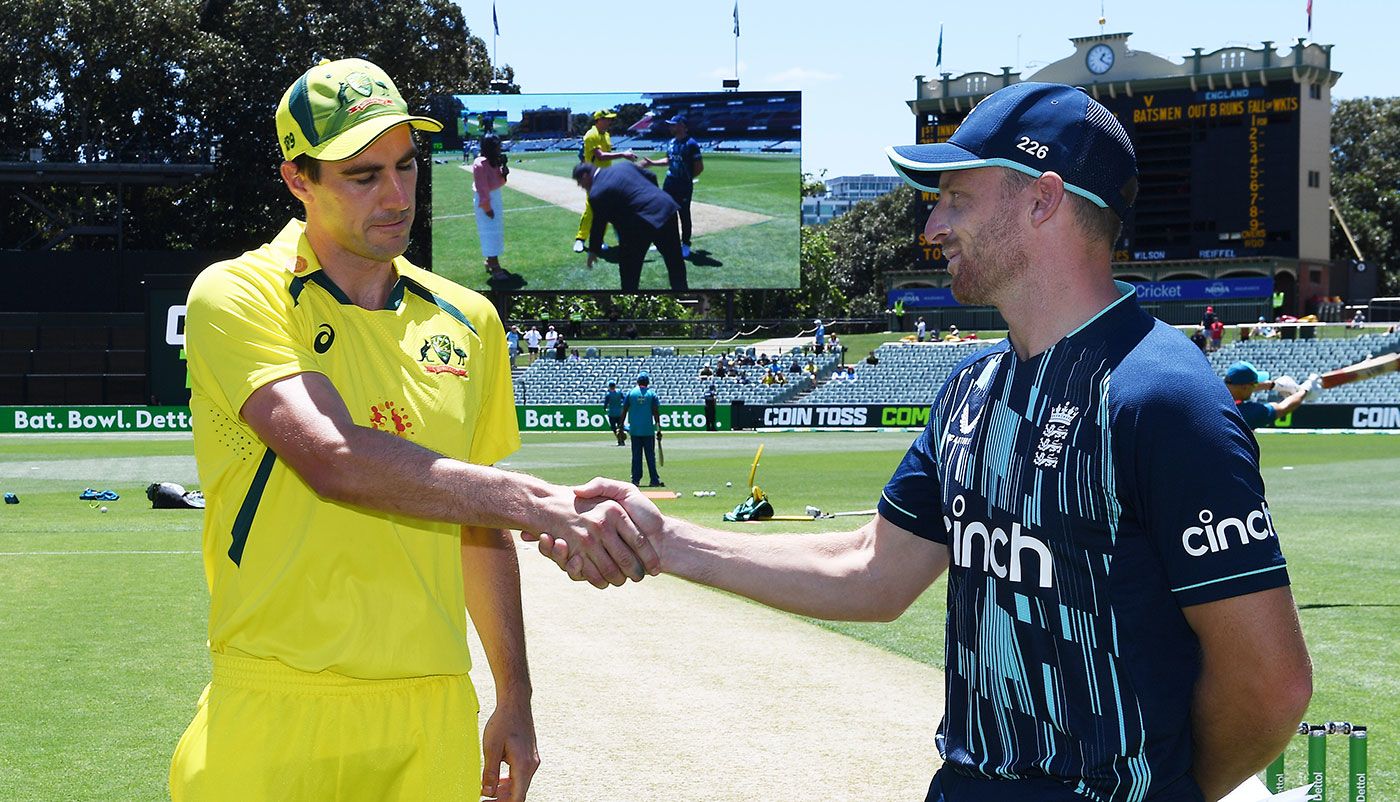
<point>1119,622</point>
<point>643,411</point>
<point>612,405</point>
<point>347,408</point>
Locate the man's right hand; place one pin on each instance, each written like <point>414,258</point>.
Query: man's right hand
<point>641,513</point>
<point>597,536</point>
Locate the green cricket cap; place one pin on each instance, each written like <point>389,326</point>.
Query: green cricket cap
<point>338,108</point>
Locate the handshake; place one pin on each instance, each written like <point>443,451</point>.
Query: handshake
<point>606,533</point>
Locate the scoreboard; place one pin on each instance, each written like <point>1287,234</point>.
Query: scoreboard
<point>1217,173</point>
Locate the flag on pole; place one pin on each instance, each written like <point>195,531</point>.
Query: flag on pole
<point>1309,16</point>
<point>495,23</point>
<point>736,15</point>
<point>940,42</point>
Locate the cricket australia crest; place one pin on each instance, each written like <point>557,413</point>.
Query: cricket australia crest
<point>441,347</point>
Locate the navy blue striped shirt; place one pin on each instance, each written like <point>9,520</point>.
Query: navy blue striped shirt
<point>1087,495</point>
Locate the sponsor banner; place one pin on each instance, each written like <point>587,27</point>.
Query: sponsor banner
<point>1205,289</point>
<point>591,418</point>
<point>43,420</point>
<point>1342,416</point>
<point>1147,291</point>
<point>854,416</point>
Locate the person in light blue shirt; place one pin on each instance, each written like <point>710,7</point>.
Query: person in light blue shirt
<point>643,411</point>
<point>612,405</point>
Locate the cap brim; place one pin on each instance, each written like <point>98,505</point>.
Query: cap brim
<point>921,165</point>
<point>349,143</point>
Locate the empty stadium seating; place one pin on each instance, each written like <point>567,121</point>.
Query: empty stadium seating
<point>72,359</point>
<point>674,378</point>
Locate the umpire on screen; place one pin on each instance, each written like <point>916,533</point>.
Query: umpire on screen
<point>626,196</point>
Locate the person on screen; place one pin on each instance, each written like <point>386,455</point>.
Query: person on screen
<point>489,173</point>
<point>683,165</point>
<point>627,198</point>
<point>598,151</point>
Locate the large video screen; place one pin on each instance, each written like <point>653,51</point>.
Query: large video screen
<point>737,153</point>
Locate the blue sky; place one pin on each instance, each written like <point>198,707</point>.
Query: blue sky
<point>855,62</point>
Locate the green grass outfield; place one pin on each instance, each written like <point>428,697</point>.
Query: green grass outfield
<point>540,235</point>
<point>102,616</point>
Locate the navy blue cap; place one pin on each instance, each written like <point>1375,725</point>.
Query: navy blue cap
<point>1244,373</point>
<point>679,118</point>
<point>1034,128</point>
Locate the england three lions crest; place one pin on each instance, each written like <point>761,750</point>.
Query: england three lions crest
<point>1053,436</point>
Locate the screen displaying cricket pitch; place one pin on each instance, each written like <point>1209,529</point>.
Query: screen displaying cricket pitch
<point>737,153</point>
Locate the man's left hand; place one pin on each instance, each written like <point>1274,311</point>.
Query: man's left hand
<point>509,738</point>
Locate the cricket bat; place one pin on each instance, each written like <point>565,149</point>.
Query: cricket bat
<point>660,450</point>
<point>1365,369</point>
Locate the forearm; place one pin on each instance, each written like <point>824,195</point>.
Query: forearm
<point>491,585</point>
<point>826,576</point>
<point>380,471</point>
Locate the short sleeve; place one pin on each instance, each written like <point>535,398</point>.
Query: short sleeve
<point>1256,414</point>
<point>912,499</point>
<point>1196,478</point>
<point>497,433</point>
<point>239,336</point>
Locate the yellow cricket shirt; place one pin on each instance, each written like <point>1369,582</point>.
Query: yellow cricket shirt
<point>312,583</point>
<point>597,139</point>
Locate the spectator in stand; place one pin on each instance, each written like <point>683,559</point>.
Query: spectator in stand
<point>532,342</point>
<point>561,348</point>
<point>764,360</point>
<point>742,378</point>
<point>850,373</point>
<point>1200,338</point>
<point>721,371</point>
<point>1244,380</point>
<point>952,336</point>
<point>746,360</point>
<point>1264,329</point>
<point>1245,333</point>
<point>811,367</point>
<point>872,359</point>
<point>513,344</point>
<point>1217,334</point>
<point>1358,319</point>
<point>574,355</point>
<point>768,376</point>
<point>835,345</point>
<point>706,372</point>
<point>550,336</point>
<point>796,366</point>
<point>1208,318</point>
<point>920,329</point>
<point>724,362</point>
<point>819,339</point>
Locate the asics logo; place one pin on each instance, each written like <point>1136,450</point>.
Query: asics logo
<point>1002,554</point>
<point>1217,535</point>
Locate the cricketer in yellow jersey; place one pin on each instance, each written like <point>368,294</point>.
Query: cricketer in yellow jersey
<point>598,151</point>
<point>348,406</point>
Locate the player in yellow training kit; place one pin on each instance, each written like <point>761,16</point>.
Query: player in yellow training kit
<point>347,408</point>
<point>598,151</point>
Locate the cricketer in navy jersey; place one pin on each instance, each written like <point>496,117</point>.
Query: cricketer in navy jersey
<point>1064,486</point>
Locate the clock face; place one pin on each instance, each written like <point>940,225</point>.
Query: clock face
<point>1099,59</point>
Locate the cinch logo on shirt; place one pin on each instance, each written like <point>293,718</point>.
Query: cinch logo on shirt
<point>1001,553</point>
<point>1213,536</point>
